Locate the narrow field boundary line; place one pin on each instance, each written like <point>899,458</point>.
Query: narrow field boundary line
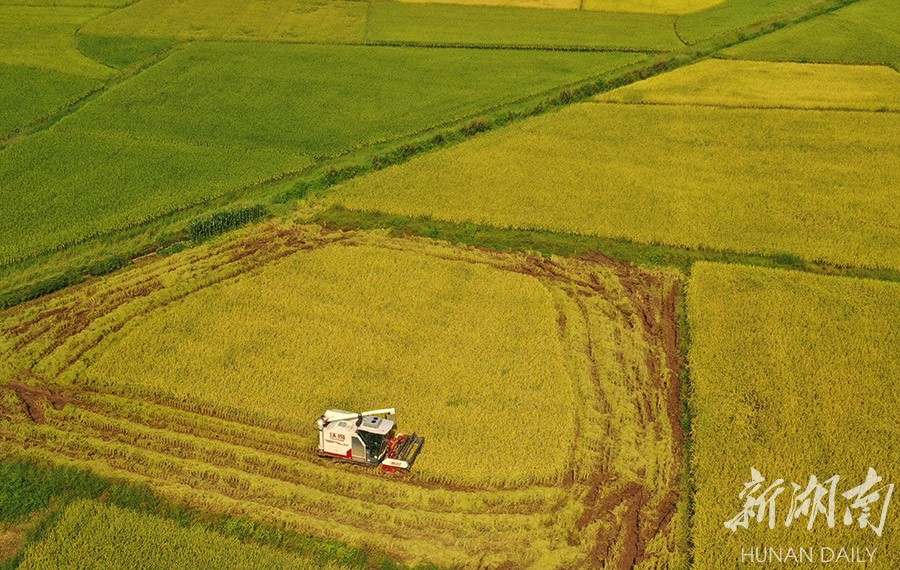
<point>424,45</point>
<point>236,191</point>
<point>776,22</point>
<point>675,29</point>
<point>550,242</point>
<point>483,111</point>
<point>48,121</point>
<point>53,7</point>
<point>365,35</point>
<point>516,47</point>
<point>24,131</point>
<point>749,107</point>
<point>726,57</point>
<point>688,414</point>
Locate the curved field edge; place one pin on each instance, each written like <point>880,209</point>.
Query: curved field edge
<point>135,434</point>
<point>44,37</point>
<point>36,494</point>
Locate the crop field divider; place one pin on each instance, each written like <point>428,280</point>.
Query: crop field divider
<point>749,107</point>
<point>505,47</point>
<point>549,242</point>
<point>661,63</point>
<point>56,115</point>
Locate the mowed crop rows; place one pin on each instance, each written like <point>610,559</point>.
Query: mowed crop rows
<point>812,183</point>
<point>289,322</point>
<point>94,535</point>
<point>795,375</point>
<point>558,445</point>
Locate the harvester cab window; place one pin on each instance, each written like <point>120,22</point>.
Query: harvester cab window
<point>374,444</point>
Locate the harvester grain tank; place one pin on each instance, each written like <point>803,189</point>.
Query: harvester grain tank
<point>367,438</point>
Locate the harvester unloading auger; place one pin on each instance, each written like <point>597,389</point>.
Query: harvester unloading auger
<point>368,439</point>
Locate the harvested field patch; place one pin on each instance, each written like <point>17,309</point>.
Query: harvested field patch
<point>585,349</point>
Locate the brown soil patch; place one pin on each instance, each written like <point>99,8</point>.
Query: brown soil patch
<point>11,542</point>
<point>36,397</point>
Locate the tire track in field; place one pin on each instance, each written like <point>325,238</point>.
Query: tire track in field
<point>598,287</point>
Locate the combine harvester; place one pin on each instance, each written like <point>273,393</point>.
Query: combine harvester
<point>368,439</point>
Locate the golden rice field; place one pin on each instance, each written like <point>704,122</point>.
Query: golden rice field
<point>816,184</point>
<point>93,535</point>
<point>358,328</point>
<point>759,84</point>
<point>650,6</point>
<point>43,37</point>
<point>552,4</point>
<point>795,375</point>
<point>547,389</point>
<point>318,21</point>
<point>623,6</point>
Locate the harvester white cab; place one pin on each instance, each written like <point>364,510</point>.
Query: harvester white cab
<point>367,438</point>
